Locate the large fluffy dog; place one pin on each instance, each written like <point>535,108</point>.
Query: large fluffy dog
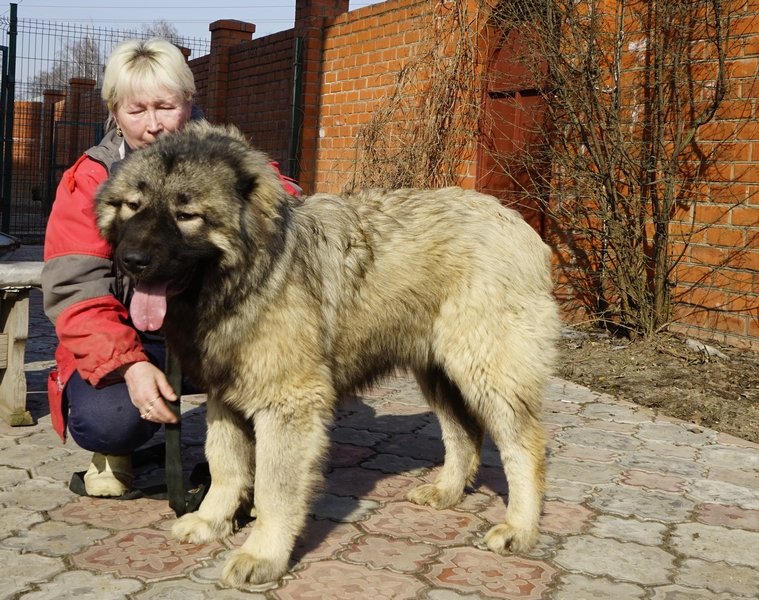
<point>280,306</point>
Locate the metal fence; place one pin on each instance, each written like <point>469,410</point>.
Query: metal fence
<point>53,102</point>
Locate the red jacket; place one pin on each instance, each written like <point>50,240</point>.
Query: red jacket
<point>84,296</point>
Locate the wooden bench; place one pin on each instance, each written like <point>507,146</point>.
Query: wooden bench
<point>16,279</point>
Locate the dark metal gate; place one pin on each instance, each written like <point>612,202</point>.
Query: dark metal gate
<point>51,109</point>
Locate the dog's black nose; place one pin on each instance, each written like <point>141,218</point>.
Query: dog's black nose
<point>135,261</point>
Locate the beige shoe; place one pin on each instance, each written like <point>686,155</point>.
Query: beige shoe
<point>109,475</point>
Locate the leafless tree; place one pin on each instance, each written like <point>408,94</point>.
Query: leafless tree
<point>422,133</point>
<point>163,29</point>
<point>79,58</point>
<point>627,86</point>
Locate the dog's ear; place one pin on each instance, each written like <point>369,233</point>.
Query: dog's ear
<point>265,204</point>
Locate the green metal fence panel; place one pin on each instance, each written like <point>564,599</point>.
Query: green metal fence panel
<point>57,109</point>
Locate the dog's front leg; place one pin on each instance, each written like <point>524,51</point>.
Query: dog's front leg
<point>291,445</point>
<point>230,450</point>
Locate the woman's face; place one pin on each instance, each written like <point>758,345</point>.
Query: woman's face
<point>144,117</point>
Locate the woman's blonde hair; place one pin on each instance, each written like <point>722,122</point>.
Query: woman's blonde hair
<point>151,67</point>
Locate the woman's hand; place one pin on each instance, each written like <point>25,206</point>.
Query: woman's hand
<point>149,388</point>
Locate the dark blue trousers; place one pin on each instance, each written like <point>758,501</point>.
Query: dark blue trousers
<point>104,419</point>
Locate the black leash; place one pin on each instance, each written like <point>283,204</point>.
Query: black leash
<point>181,502</point>
<point>174,468</point>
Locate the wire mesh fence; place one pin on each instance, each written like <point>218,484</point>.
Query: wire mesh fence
<point>58,112</point>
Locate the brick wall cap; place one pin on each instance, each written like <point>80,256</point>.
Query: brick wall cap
<point>82,82</point>
<point>233,25</point>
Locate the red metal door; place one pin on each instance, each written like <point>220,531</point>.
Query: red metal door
<point>511,160</point>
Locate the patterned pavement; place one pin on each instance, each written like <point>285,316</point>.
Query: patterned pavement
<point>640,506</point>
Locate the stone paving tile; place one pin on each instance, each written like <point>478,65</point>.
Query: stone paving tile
<point>422,523</point>
<point>83,585</point>
<point>28,456</point>
<point>585,454</point>
<point>582,471</point>
<point>654,481</point>
<point>400,556</point>
<point>643,565</point>
<point>663,464</point>
<point>357,437</point>
<point>647,505</point>
<point>146,554</point>
<point>347,455</point>
<point>562,518</point>
<point>718,577</point>
<point>14,520</point>
<point>676,433</point>
<point>37,494</point>
<point>345,581</point>
<point>441,594</point>
<point>581,587</point>
<point>342,509</point>
<point>713,543</point>
<point>189,590</point>
<point>748,479</point>
<point>10,476</point>
<point>568,491</point>
<point>728,516</point>
<point>638,506</point>
<point>390,463</point>
<point>20,572</point>
<point>53,538</point>
<point>724,493</point>
<point>629,530</point>
<point>362,483</point>
<point>676,592</point>
<point>320,540</point>
<point>688,453</point>
<point>617,412</point>
<point>117,515</point>
<point>512,577</point>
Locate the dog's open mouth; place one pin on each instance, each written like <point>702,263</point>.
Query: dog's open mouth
<point>148,305</point>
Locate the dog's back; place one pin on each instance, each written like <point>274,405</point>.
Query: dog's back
<point>398,271</point>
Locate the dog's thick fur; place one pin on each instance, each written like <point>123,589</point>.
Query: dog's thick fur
<point>290,304</point>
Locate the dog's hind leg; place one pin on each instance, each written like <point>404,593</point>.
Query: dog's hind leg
<point>500,362</point>
<point>508,405</point>
<point>291,445</point>
<point>521,443</point>
<point>462,436</point>
<point>230,450</point>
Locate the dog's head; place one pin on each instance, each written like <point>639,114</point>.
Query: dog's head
<point>195,200</point>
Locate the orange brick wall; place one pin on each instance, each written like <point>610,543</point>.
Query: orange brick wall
<point>249,83</point>
<point>269,63</point>
<point>717,280</point>
<point>352,62</point>
<point>363,52</point>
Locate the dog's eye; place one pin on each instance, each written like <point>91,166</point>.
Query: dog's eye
<point>187,217</point>
<point>135,206</point>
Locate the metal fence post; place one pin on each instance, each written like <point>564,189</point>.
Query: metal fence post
<point>10,85</point>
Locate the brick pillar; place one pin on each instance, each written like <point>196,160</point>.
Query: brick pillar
<point>185,52</point>
<point>224,34</point>
<point>311,17</point>
<point>52,108</point>
<point>79,94</point>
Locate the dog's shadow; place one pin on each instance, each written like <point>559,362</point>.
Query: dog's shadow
<point>367,447</point>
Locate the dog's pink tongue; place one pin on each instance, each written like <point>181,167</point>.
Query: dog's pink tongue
<point>148,305</point>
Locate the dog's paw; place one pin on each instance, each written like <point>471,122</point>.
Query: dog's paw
<point>505,539</point>
<point>430,495</point>
<point>242,568</point>
<point>191,528</point>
